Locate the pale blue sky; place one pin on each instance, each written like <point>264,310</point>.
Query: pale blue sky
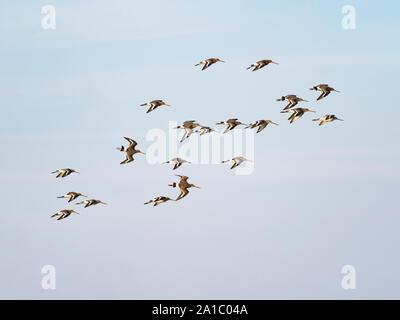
<point>320,197</point>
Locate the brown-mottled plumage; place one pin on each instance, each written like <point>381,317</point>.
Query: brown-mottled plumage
<point>91,202</point>
<point>159,200</point>
<point>72,196</point>
<point>297,113</point>
<point>292,99</point>
<point>62,173</point>
<point>261,124</point>
<point>261,64</point>
<point>208,62</point>
<point>327,118</point>
<point>183,186</point>
<point>154,104</point>
<point>326,89</point>
<point>130,150</point>
<point>231,124</point>
<point>188,126</point>
<point>63,214</point>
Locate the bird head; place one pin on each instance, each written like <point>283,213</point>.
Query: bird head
<point>314,88</point>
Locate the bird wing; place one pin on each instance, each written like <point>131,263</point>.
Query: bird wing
<point>228,128</point>
<point>132,142</point>
<point>184,192</point>
<point>261,126</point>
<point>206,65</point>
<point>183,179</point>
<point>188,132</point>
<point>325,92</point>
<point>292,103</point>
<point>129,158</point>
<point>151,108</point>
<point>188,123</point>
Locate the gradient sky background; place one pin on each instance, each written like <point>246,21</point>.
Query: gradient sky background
<point>319,198</point>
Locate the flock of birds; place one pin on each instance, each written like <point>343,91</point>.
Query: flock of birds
<point>189,126</point>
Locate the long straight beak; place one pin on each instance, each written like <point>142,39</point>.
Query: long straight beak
<point>341,119</point>
<point>196,187</point>
<point>274,62</point>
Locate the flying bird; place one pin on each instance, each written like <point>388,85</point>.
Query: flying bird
<point>183,186</point>
<point>326,89</point>
<point>327,118</point>
<point>203,130</point>
<point>231,124</point>
<point>130,150</point>
<point>297,113</point>
<point>208,62</point>
<point>62,173</point>
<point>261,124</point>
<point>63,214</point>
<point>177,162</point>
<point>72,196</point>
<point>91,202</point>
<point>261,64</point>
<point>236,161</point>
<point>154,104</point>
<point>159,200</point>
<point>188,126</point>
<point>292,99</point>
